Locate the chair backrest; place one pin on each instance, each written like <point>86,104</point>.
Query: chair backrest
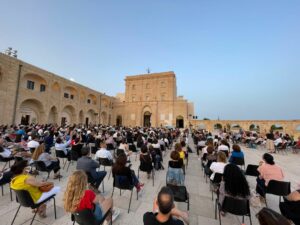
<point>280,188</point>
<point>110,146</point>
<point>74,155</point>
<point>123,182</point>
<point>24,198</point>
<point>40,165</point>
<point>252,170</point>
<point>60,154</point>
<point>236,206</point>
<point>132,147</point>
<point>180,193</point>
<point>85,217</point>
<point>105,162</point>
<point>238,161</point>
<point>217,178</point>
<point>120,151</point>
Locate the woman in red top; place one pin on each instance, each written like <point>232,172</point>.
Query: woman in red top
<point>77,197</point>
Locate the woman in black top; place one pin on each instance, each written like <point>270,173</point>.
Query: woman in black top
<point>120,169</point>
<point>176,161</point>
<point>146,161</point>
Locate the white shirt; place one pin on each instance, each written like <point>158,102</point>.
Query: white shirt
<point>278,141</point>
<point>6,153</point>
<point>201,143</point>
<point>103,153</point>
<point>33,144</point>
<point>217,167</point>
<point>223,148</point>
<point>204,150</point>
<point>62,147</point>
<point>156,145</point>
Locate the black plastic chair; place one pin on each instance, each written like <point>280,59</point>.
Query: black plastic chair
<point>75,154</point>
<point>6,161</point>
<point>238,161</point>
<point>92,181</point>
<point>110,147</point>
<point>60,154</point>
<point>2,190</point>
<point>25,200</point>
<point>145,167</point>
<point>86,217</point>
<point>279,188</point>
<point>251,170</point>
<point>105,162</point>
<point>180,194</point>
<point>41,167</point>
<point>123,183</point>
<point>215,183</point>
<point>235,206</point>
<point>291,210</point>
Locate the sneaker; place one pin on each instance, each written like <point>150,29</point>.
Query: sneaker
<point>115,214</point>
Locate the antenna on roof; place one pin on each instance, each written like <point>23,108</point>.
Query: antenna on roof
<point>148,70</point>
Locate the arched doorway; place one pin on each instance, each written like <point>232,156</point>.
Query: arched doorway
<point>147,119</point>
<point>81,117</point>
<point>254,127</point>
<point>31,111</point>
<point>53,115</point>
<point>218,126</point>
<point>90,117</point>
<point>276,127</point>
<point>68,115</point>
<point>179,122</point>
<point>119,121</point>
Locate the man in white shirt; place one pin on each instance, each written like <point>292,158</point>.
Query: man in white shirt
<point>33,144</point>
<point>103,152</point>
<point>278,141</point>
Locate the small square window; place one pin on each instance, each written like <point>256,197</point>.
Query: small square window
<point>42,88</point>
<point>66,95</point>
<point>30,85</point>
<point>89,101</point>
<point>71,96</point>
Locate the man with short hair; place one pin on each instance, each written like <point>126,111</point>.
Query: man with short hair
<point>89,165</point>
<point>103,152</point>
<point>164,211</point>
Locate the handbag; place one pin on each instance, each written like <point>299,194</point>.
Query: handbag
<point>46,187</point>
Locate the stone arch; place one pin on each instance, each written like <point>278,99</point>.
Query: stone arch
<point>276,127</point>
<point>218,126</point>
<point>81,117</point>
<point>68,115</point>
<point>254,127</point>
<point>92,98</point>
<point>202,126</point>
<point>55,87</point>
<point>31,111</point>
<point>37,79</point>
<point>235,126</point>
<point>90,117</point>
<point>53,115</point>
<point>179,121</point>
<point>71,91</point>
<point>104,118</point>
<point>146,116</point>
<point>119,121</point>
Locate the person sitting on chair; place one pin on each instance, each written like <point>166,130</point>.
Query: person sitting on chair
<point>78,198</point>
<point>268,171</point>
<point>23,181</point>
<point>234,184</point>
<point>146,161</point>
<point>236,153</point>
<point>218,167</point>
<point>120,169</point>
<point>60,146</point>
<point>104,153</point>
<point>87,164</point>
<point>164,210</point>
<point>50,162</point>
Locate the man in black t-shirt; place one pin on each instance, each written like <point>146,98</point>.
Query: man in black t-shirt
<point>164,210</point>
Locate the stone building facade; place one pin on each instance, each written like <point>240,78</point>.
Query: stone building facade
<point>32,95</point>
<point>151,100</point>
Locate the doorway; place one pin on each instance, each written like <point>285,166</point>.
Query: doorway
<point>147,119</point>
<point>119,121</point>
<point>179,122</point>
<point>25,120</point>
<point>86,121</point>
<point>63,121</point>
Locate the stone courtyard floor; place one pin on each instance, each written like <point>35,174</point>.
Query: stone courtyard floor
<point>201,205</point>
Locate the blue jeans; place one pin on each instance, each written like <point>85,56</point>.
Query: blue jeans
<point>98,212</point>
<point>99,176</point>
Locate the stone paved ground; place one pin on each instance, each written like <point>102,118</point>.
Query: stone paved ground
<point>201,206</point>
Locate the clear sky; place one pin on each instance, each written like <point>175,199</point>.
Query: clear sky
<point>233,59</point>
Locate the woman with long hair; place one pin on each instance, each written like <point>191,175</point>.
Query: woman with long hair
<point>234,184</point>
<point>120,169</point>
<point>23,181</point>
<point>267,171</point>
<point>77,197</point>
<point>52,163</point>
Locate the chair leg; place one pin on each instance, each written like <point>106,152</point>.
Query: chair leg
<point>103,186</point>
<point>220,215</point>
<point>138,173</point>
<point>11,198</point>
<point>4,166</point>
<point>250,219</point>
<point>33,217</point>
<point>243,219</point>
<point>109,173</point>
<point>15,215</point>
<point>216,205</point>
<point>120,192</point>
<point>68,166</point>
<point>54,207</point>
<point>2,190</point>
<point>112,194</point>
<point>65,163</point>
<point>130,201</point>
<point>153,177</point>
